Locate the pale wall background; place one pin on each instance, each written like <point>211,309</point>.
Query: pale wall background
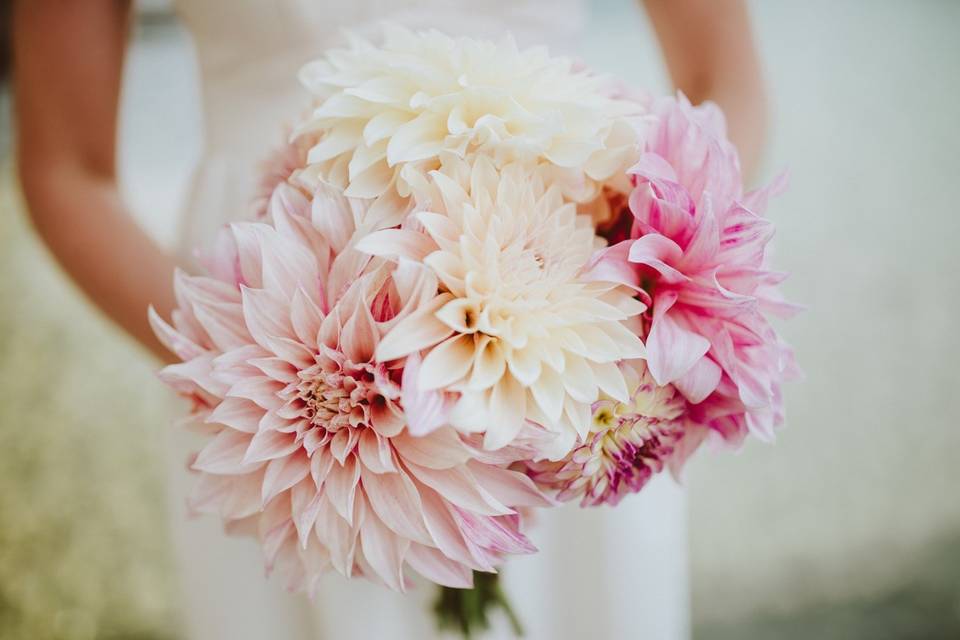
<point>848,527</point>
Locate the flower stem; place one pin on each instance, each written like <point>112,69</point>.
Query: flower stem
<point>468,610</point>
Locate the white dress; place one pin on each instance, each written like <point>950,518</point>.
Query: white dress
<point>600,573</point>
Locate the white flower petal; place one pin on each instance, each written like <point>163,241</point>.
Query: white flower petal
<point>610,380</point>
<point>417,331</point>
<point>508,410</point>
<point>578,380</point>
<point>447,362</point>
<point>548,391</point>
<point>525,366</point>
<point>394,243</point>
<point>489,364</point>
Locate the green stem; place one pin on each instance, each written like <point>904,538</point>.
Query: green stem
<point>468,611</point>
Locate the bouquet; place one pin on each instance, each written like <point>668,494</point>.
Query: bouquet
<point>480,281</point>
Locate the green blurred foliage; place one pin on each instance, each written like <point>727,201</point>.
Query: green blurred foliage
<point>83,538</point>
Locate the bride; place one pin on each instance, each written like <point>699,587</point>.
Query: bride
<point>68,61</point>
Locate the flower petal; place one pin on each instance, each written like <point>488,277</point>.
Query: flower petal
<point>508,410</point>
<point>305,507</point>
<point>375,453</point>
<point>700,381</point>
<point>265,318</point>
<point>417,331</point>
<point>509,487</point>
<point>360,336</point>
<point>489,364</point>
<point>671,349</point>
<point>337,535</point>
<point>447,362</point>
<point>397,243</point>
<point>394,498</point>
<point>549,392</point>
<point>425,410</point>
<point>341,487</point>
<point>441,449</point>
<point>433,565</point>
<point>384,551</point>
<point>610,380</point>
<point>225,454</point>
<point>267,445</point>
<point>283,473</point>
<point>237,413</point>
<point>460,487</point>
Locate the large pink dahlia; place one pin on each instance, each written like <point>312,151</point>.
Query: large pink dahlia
<point>697,256</point>
<point>311,446</point>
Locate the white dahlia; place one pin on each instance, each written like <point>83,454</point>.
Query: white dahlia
<point>422,93</point>
<point>515,329</point>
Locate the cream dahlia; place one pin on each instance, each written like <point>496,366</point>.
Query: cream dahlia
<point>311,445</point>
<point>628,443</point>
<point>423,93</point>
<point>514,329</point>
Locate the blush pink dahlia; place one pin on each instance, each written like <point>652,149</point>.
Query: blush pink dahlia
<point>311,443</point>
<point>697,256</point>
<point>628,443</point>
<point>277,168</point>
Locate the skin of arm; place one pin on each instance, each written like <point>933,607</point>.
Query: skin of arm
<point>68,62</point>
<point>710,53</point>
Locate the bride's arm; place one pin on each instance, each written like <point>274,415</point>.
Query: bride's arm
<point>710,53</point>
<point>68,60</point>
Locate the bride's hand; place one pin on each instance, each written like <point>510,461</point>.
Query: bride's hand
<point>68,61</point>
<point>710,53</point>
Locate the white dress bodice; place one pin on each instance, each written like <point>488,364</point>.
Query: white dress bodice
<point>611,573</point>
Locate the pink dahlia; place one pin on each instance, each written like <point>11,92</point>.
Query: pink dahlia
<point>277,167</point>
<point>628,443</point>
<point>696,255</point>
<point>311,442</point>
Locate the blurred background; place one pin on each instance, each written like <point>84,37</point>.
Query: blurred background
<point>847,527</point>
